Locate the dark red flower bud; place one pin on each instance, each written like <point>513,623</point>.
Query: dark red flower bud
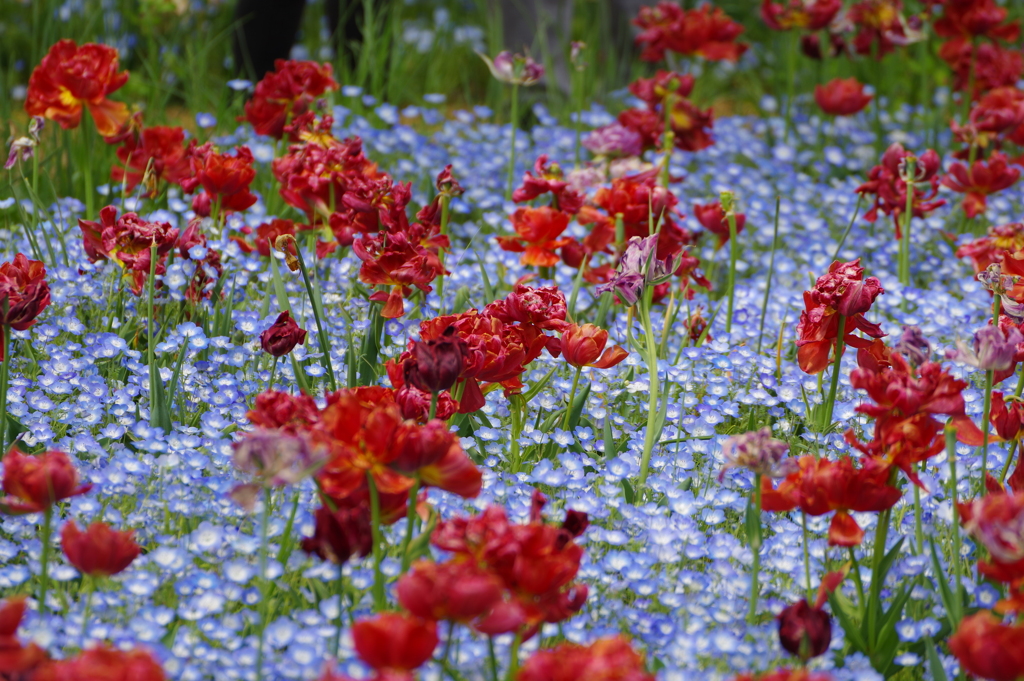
<point>435,365</point>
<point>576,522</point>
<point>340,534</point>
<point>99,551</point>
<point>805,631</point>
<point>282,336</point>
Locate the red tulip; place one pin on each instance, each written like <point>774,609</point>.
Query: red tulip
<point>547,177</point>
<point>282,336</point>
<point>224,179</point>
<point>987,648</point>
<point>35,483</point>
<point>435,365</point>
<point>17,661</point>
<point>24,294</point>
<point>885,181</point>
<point>104,664</point>
<point>393,641</point>
<point>156,153</point>
<point>457,590</point>
<point>584,346</point>
<point>706,31</point>
<point>537,235</point>
<point>340,534</point>
<point>812,15</point>
<point>70,78</point>
<point>126,241</point>
<point>607,659</point>
<point>842,97</point>
<point>712,218</point>
<point>286,93</point>
<point>806,630</point>
<point>99,551</point>
<point>980,180</point>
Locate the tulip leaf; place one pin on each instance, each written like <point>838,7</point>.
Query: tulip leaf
<point>576,408</point>
<point>845,611</point>
<point>951,605</point>
<point>887,561</point>
<point>538,386</point>
<point>627,490</point>
<point>934,664</point>
<point>371,347</point>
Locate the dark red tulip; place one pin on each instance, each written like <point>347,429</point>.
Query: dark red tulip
<point>340,534</point>
<point>24,293</point>
<point>436,364</point>
<point>842,97</point>
<point>457,590</point>
<point>99,551</point>
<point>282,336</point>
<point>805,631</point>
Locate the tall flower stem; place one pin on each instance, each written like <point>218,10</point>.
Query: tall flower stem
<point>572,398</point>
<point>512,147</point>
<point>833,387</point>
<point>650,437</point>
<point>445,201</point>
<point>44,560</point>
<point>733,253</point>
<point>340,620</point>
<point>158,414</point>
<point>771,272</point>
<point>985,426</point>
<point>378,575</point>
<point>807,556</point>
<point>410,517</point>
<point>315,301</point>
<point>754,539</point>
<point>908,216</point>
<point>87,581</point>
<point>957,567</point>
<point>4,378</point>
<point>264,585</point>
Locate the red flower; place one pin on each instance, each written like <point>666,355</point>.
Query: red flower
<point>17,661</point>
<point>340,534</point>
<point>99,551</point>
<point>207,269</point>
<point>982,179</point>
<point>786,675</point>
<point>890,190</point>
<point>842,97</point>
<point>812,15</point>
<point>990,249</point>
<point>827,486</point>
<point>973,18</point>
<point>282,336</point>
<point>706,31</point>
<point>584,346</point>
<point>70,78</point>
<point>879,21</point>
<point>994,66</point>
<point>548,177</point>
<point>458,591</point>
<point>712,218</point>
<point>607,659</point>
<point>842,291</point>
<point>104,664</point>
<point>224,179</point>
<point>126,241</point>
<point>286,92</point>
<point>998,113</point>
<point>24,294</point>
<point>35,483</point>
<point>291,413</point>
<point>537,235</point>
<point>806,630</point>
<point>158,153</point>
<point>543,307</point>
<point>987,648</point>
<point>393,641</point>
<point>994,521</point>
<point>435,365</point>
<point>399,260</point>
<point>664,85</point>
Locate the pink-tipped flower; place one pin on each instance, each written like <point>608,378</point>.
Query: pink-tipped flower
<point>759,452</point>
<point>993,348</point>
<point>514,69</point>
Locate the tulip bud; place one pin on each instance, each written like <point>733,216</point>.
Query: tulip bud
<point>282,336</point>
<point>100,550</point>
<point>435,365</point>
<point>805,631</point>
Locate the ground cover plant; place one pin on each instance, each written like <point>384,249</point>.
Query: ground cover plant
<point>707,366</point>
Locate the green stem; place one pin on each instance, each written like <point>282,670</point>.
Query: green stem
<point>410,517</point>
<point>771,272</point>
<point>755,547</point>
<point>314,300</point>
<point>650,437</point>
<point>378,576</point>
<point>1009,461</point>
<point>445,200</point>
<point>572,398</point>
<point>807,556</point>
<point>834,384</point>
<point>44,561</point>
<point>493,658</point>
<point>273,373</point>
<point>733,252</point>
<point>264,584</point>
<point>4,378</point>
<point>874,601</point>
<point>918,530</point>
<point>513,657</point>
<point>512,147</point>
<point>87,580</point>
<point>957,567</point>
<point>855,568</point>
<point>517,429</point>
<point>985,426</point>
<point>908,216</point>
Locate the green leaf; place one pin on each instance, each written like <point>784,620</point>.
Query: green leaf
<point>845,612</point>
<point>887,561</point>
<point>576,408</point>
<point>628,491</point>
<point>752,523</point>
<point>538,386</point>
<point>934,665</point>
<point>946,594</point>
